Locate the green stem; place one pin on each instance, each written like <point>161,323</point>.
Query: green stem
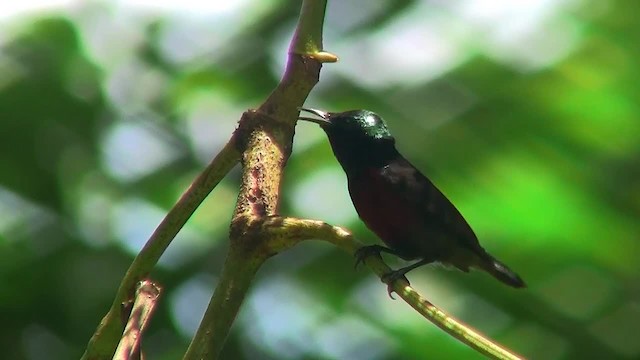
<point>103,343</point>
<point>308,36</point>
<point>452,326</point>
<point>237,274</point>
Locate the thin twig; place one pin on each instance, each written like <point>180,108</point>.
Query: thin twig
<point>145,302</point>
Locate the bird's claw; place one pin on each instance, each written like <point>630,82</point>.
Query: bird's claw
<point>391,277</point>
<point>364,252</point>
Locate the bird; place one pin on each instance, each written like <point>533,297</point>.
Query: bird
<point>399,204</point>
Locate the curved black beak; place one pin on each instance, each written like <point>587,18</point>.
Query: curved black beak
<point>324,116</point>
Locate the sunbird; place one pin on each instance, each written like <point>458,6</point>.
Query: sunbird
<point>398,203</point>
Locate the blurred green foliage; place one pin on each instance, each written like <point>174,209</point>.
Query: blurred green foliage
<point>527,117</point>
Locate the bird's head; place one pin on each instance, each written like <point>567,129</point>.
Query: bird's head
<point>353,124</point>
<point>358,137</point>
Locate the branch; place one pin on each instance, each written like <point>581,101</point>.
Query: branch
<point>147,295</point>
<point>307,40</point>
<point>265,136</point>
<point>103,343</point>
<point>238,272</point>
<point>287,232</point>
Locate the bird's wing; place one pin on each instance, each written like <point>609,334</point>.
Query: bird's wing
<point>426,199</point>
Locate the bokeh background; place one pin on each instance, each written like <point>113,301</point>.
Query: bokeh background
<point>525,113</point>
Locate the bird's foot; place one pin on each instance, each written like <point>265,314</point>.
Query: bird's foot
<point>390,277</point>
<point>366,251</point>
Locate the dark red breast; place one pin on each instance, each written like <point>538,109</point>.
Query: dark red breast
<point>385,213</point>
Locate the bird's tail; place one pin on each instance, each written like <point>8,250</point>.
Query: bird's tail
<point>502,272</point>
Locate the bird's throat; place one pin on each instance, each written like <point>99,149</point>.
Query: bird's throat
<point>355,154</point>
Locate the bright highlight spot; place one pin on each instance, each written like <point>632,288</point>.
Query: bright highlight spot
<point>132,151</point>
